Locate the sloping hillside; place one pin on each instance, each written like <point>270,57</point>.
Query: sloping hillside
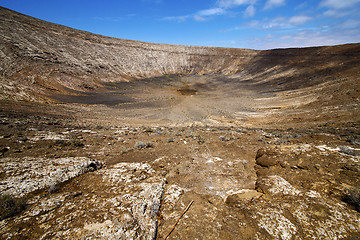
<point>40,58</point>
<point>56,56</point>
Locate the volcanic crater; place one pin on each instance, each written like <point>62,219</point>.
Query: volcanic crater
<point>105,138</point>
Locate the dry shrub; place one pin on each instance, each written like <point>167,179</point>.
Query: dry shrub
<point>10,206</point>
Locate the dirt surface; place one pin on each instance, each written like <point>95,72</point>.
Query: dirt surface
<point>266,145</point>
<point>248,182</point>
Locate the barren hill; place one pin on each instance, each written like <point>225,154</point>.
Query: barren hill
<point>107,138</point>
<point>59,57</point>
<point>46,58</point>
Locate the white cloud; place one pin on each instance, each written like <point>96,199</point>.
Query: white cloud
<point>278,22</point>
<point>177,18</point>
<point>299,20</point>
<point>250,11</point>
<point>234,3</point>
<point>338,4</point>
<point>335,13</point>
<point>301,6</point>
<point>274,3</point>
<point>199,18</point>
<point>211,11</point>
<point>274,24</point>
<point>219,9</point>
<point>254,24</point>
<point>201,15</point>
<point>307,38</point>
<point>351,23</point>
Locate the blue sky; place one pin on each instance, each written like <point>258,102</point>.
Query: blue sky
<point>255,24</point>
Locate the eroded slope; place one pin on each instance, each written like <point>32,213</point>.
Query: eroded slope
<point>40,58</point>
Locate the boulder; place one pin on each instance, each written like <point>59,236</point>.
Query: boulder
<point>276,185</point>
<point>243,196</point>
<point>266,161</point>
<point>260,153</point>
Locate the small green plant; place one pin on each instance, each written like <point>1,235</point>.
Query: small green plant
<point>76,143</point>
<point>10,206</point>
<point>73,143</point>
<point>200,139</point>
<point>149,144</point>
<point>61,143</point>
<point>148,130</point>
<point>141,145</point>
<point>70,154</point>
<point>170,140</point>
<point>126,150</point>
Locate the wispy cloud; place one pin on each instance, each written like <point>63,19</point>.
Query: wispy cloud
<point>299,20</point>
<point>201,15</point>
<point>177,18</point>
<point>234,3</point>
<point>249,12</point>
<point>347,31</point>
<point>279,22</point>
<point>273,3</point>
<point>334,13</point>
<point>307,38</point>
<point>301,6</point>
<point>221,8</point>
<point>325,22</point>
<point>274,24</point>
<point>211,11</point>
<point>351,23</point>
<point>339,4</point>
<point>198,16</point>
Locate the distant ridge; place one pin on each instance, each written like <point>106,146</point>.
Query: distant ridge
<point>40,58</point>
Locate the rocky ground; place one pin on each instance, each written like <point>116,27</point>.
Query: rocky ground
<point>78,181</point>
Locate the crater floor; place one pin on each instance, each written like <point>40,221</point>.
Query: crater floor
<point>213,99</point>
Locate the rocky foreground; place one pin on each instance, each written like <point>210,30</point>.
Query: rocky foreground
<point>134,182</point>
